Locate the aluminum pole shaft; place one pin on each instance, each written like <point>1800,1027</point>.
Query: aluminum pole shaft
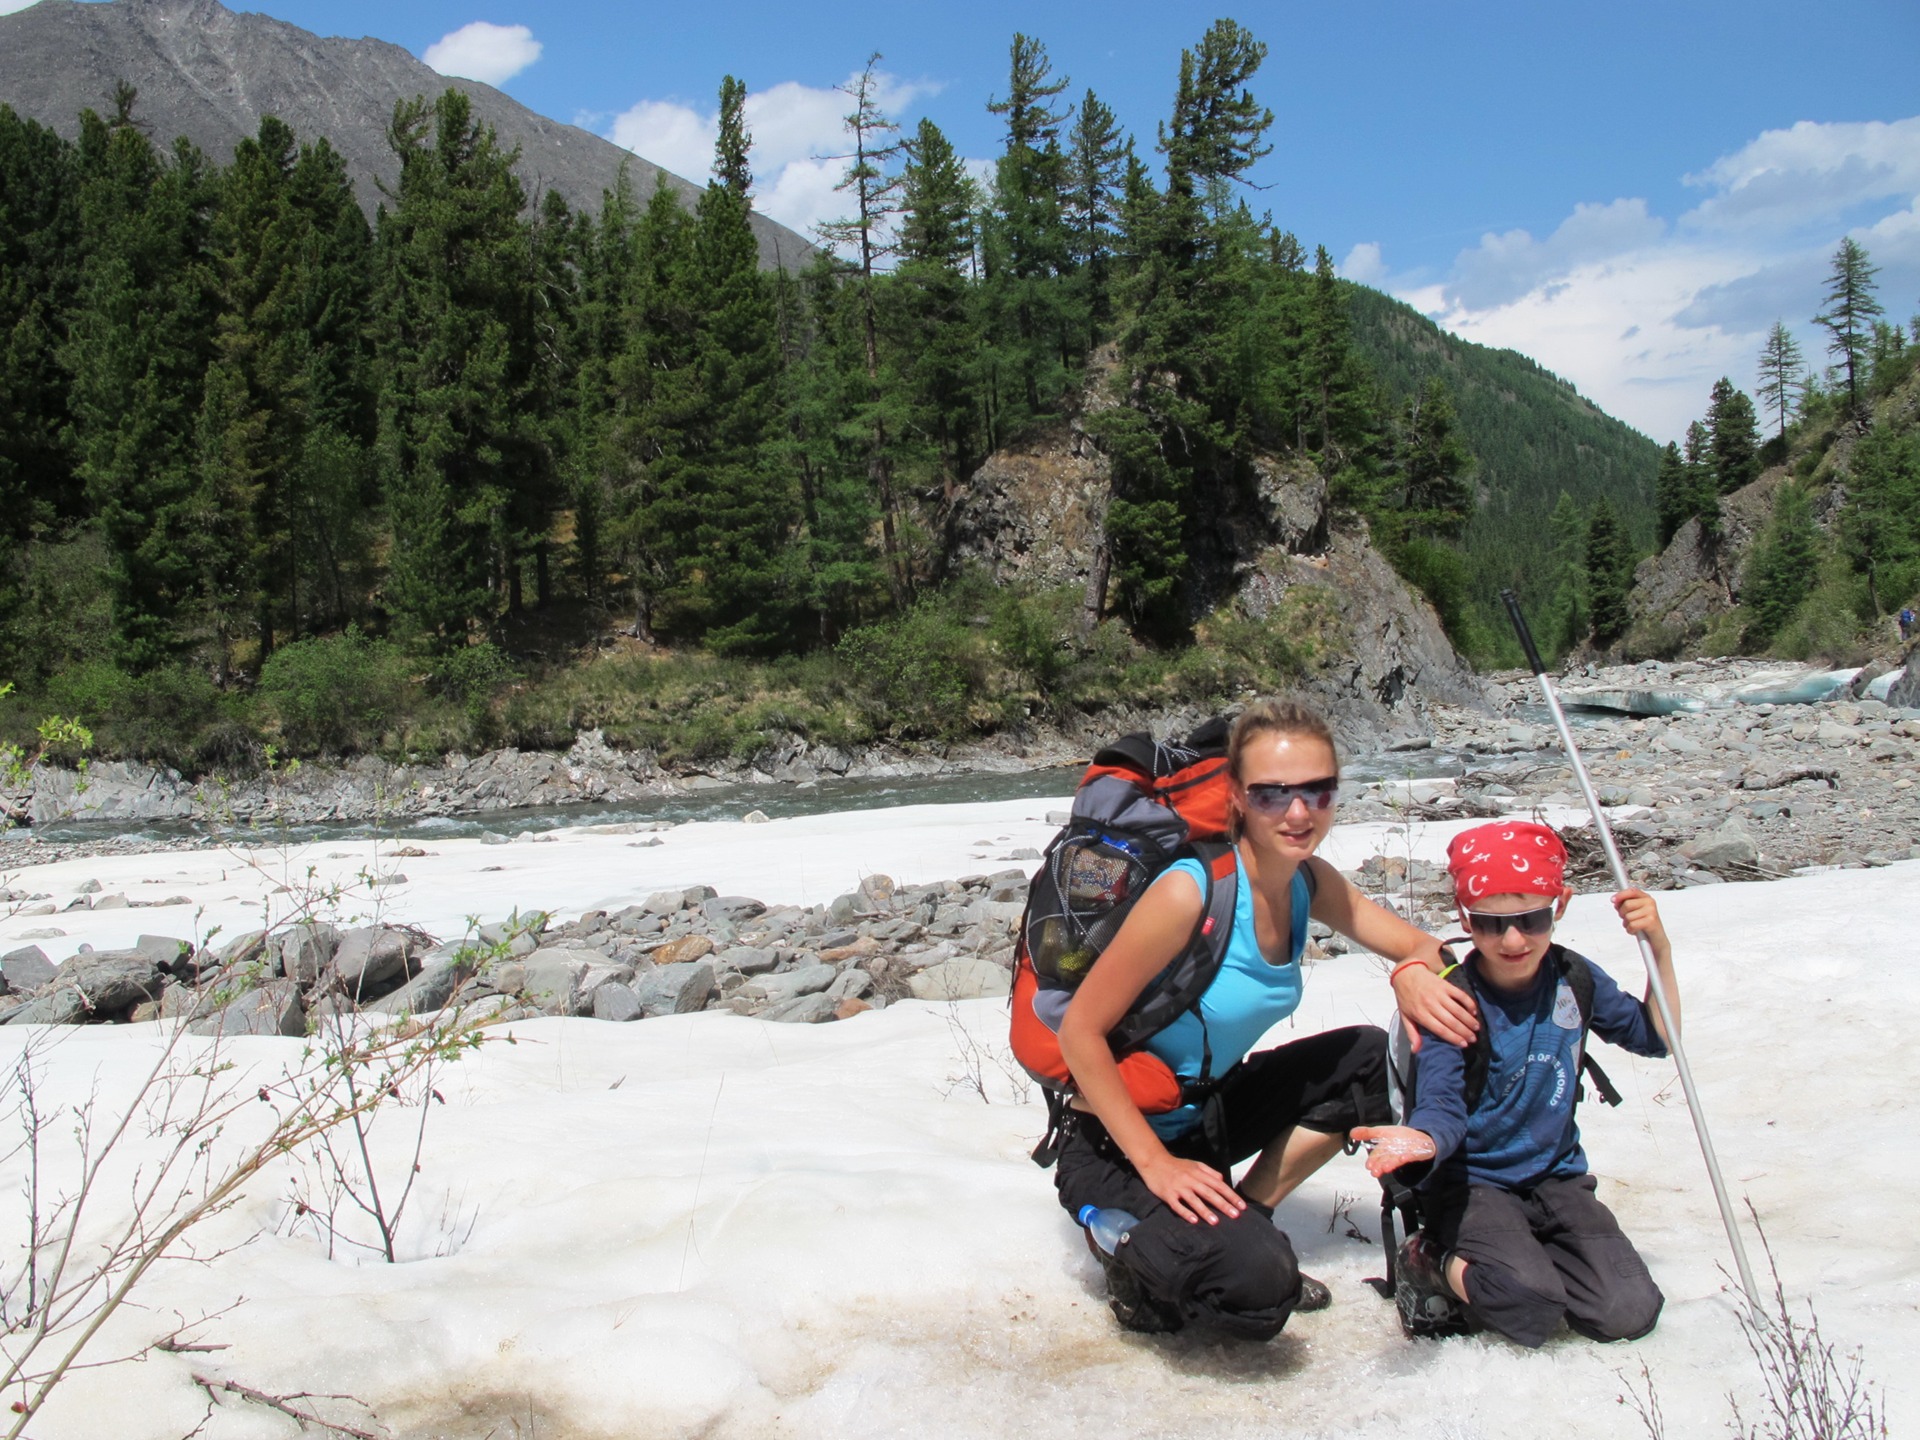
<point>1654,985</point>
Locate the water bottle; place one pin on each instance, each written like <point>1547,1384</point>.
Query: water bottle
<point>1108,1227</point>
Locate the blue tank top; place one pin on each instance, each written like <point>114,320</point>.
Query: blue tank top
<point>1247,998</point>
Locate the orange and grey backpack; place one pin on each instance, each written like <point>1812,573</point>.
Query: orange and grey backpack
<point>1141,805</point>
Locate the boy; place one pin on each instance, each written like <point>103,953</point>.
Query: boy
<point>1513,1228</point>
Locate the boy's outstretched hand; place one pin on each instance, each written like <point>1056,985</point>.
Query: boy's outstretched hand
<point>1391,1146</point>
<point>1641,916</point>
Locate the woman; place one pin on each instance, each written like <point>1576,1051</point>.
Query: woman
<point>1204,1249</point>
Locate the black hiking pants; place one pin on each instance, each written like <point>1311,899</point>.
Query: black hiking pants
<point>1547,1253</point>
<point>1241,1273</point>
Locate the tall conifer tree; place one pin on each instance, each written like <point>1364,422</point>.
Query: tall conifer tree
<point>1850,313</point>
<point>1781,368</point>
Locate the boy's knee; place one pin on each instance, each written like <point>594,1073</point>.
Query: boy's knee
<point>1526,1314</point>
<point>1628,1313</point>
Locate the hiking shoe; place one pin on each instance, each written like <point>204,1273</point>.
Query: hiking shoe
<point>1313,1295</point>
<point>1131,1305</point>
<point>1428,1309</point>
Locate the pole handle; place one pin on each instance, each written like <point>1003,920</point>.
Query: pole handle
<point>1512,602</point>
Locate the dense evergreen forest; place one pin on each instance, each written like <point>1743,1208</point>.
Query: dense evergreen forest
<point>262,463</point>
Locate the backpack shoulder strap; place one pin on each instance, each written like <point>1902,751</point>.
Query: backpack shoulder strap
<point>1578,974</point>
<point>1477,1058</point>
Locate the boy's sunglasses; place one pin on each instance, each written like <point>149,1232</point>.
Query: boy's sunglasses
<point>1527,922</point>
<point>1273,799</point>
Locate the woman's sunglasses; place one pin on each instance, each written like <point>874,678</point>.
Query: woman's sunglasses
<point>1274,799</point>
<point>1527,922</point>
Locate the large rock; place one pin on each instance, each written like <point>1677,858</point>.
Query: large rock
<point>274,1009</point>
<point>687,948</point>
<point>807,980</point>
<point>678,989</point>
<point>111,982</point>
<point>25,969</point>
<point>1726,847</point>
<point>428,991</point>
<point>803,1010</point>
<point>370,959</point>
<point>962,979</point>
<point>59,1006</point>
<point>305,950</point>
<point>553,976</point>
<point>616,1002</point>
<point>1680,593</point>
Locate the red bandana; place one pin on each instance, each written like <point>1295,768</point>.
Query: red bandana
<point>1511,857</point>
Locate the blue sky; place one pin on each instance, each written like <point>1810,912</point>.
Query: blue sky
<point>1628,192</point>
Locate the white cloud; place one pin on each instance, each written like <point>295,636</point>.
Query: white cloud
<point>491,54</point>
<point>1644,315</point>
<point>797,131</point>
<point>1364,265</point>
<point>1788,179</point>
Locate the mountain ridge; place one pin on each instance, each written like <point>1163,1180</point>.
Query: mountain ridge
<point>210,73</point>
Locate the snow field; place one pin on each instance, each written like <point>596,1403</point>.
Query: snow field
<point>708,1225</point>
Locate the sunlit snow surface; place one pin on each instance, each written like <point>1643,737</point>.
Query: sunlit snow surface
<point>778,1230</point>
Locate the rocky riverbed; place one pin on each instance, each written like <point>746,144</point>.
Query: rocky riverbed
<point>1729,793</point>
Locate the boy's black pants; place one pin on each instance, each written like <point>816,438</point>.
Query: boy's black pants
<point>1547,1253</point>
<point>1241,1273</point>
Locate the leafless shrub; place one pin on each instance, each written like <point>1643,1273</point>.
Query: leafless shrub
<point>979,1060</point>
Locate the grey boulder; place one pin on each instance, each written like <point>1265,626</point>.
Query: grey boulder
<point>25,969</point>
<point>369,959</point>
<point>962,979</point>
<point>111,981</point>
<point>273,1009</point>
<point>812,1009</point>
<point>677,989</point>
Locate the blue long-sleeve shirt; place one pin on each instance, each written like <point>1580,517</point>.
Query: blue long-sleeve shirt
<point>1522,1130</point>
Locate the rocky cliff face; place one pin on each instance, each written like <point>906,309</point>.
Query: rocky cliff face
<point>1034,512</point>
<point>1678,594</point>
<point>210,74</point>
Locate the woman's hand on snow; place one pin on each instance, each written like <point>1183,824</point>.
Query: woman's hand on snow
<point>1192,1190</point>
<point>1429,1003</point>
<point>1391,1146</point>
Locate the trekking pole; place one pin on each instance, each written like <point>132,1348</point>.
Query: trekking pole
<point>1659,991</point>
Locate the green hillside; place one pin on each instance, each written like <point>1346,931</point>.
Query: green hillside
<point>1531,433</point>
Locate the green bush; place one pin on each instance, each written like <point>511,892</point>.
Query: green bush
<point>174,715</point>
<point>919,674</point>
<point>336,694</point>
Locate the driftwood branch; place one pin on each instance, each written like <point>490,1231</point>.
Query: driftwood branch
<point>286,1405</point>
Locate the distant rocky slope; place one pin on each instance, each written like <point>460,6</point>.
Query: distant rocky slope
<point>1683,597</point>
<point>1034,511</point>
<point>210,74</point>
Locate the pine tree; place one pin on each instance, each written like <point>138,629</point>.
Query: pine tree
<point>39,270</point>
<point>1880,523</point>
<point>1672,493</point>
<point>1781,367</point>
<point>1095,170</point>
<point>1702,489</point>
<point>1734,442</point>
<point>1567,618</point>
<point>1782,567</point>
<point>137,352</point>
<point>1850,313</point>
<point>460,432</point>
<point>1028,240</point>
<point>1609,573</point>
<point>655,385</point>
<point>739,501</point>
<point>1432,463</point>
<point>876,200</point>
<point>938,342</point>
